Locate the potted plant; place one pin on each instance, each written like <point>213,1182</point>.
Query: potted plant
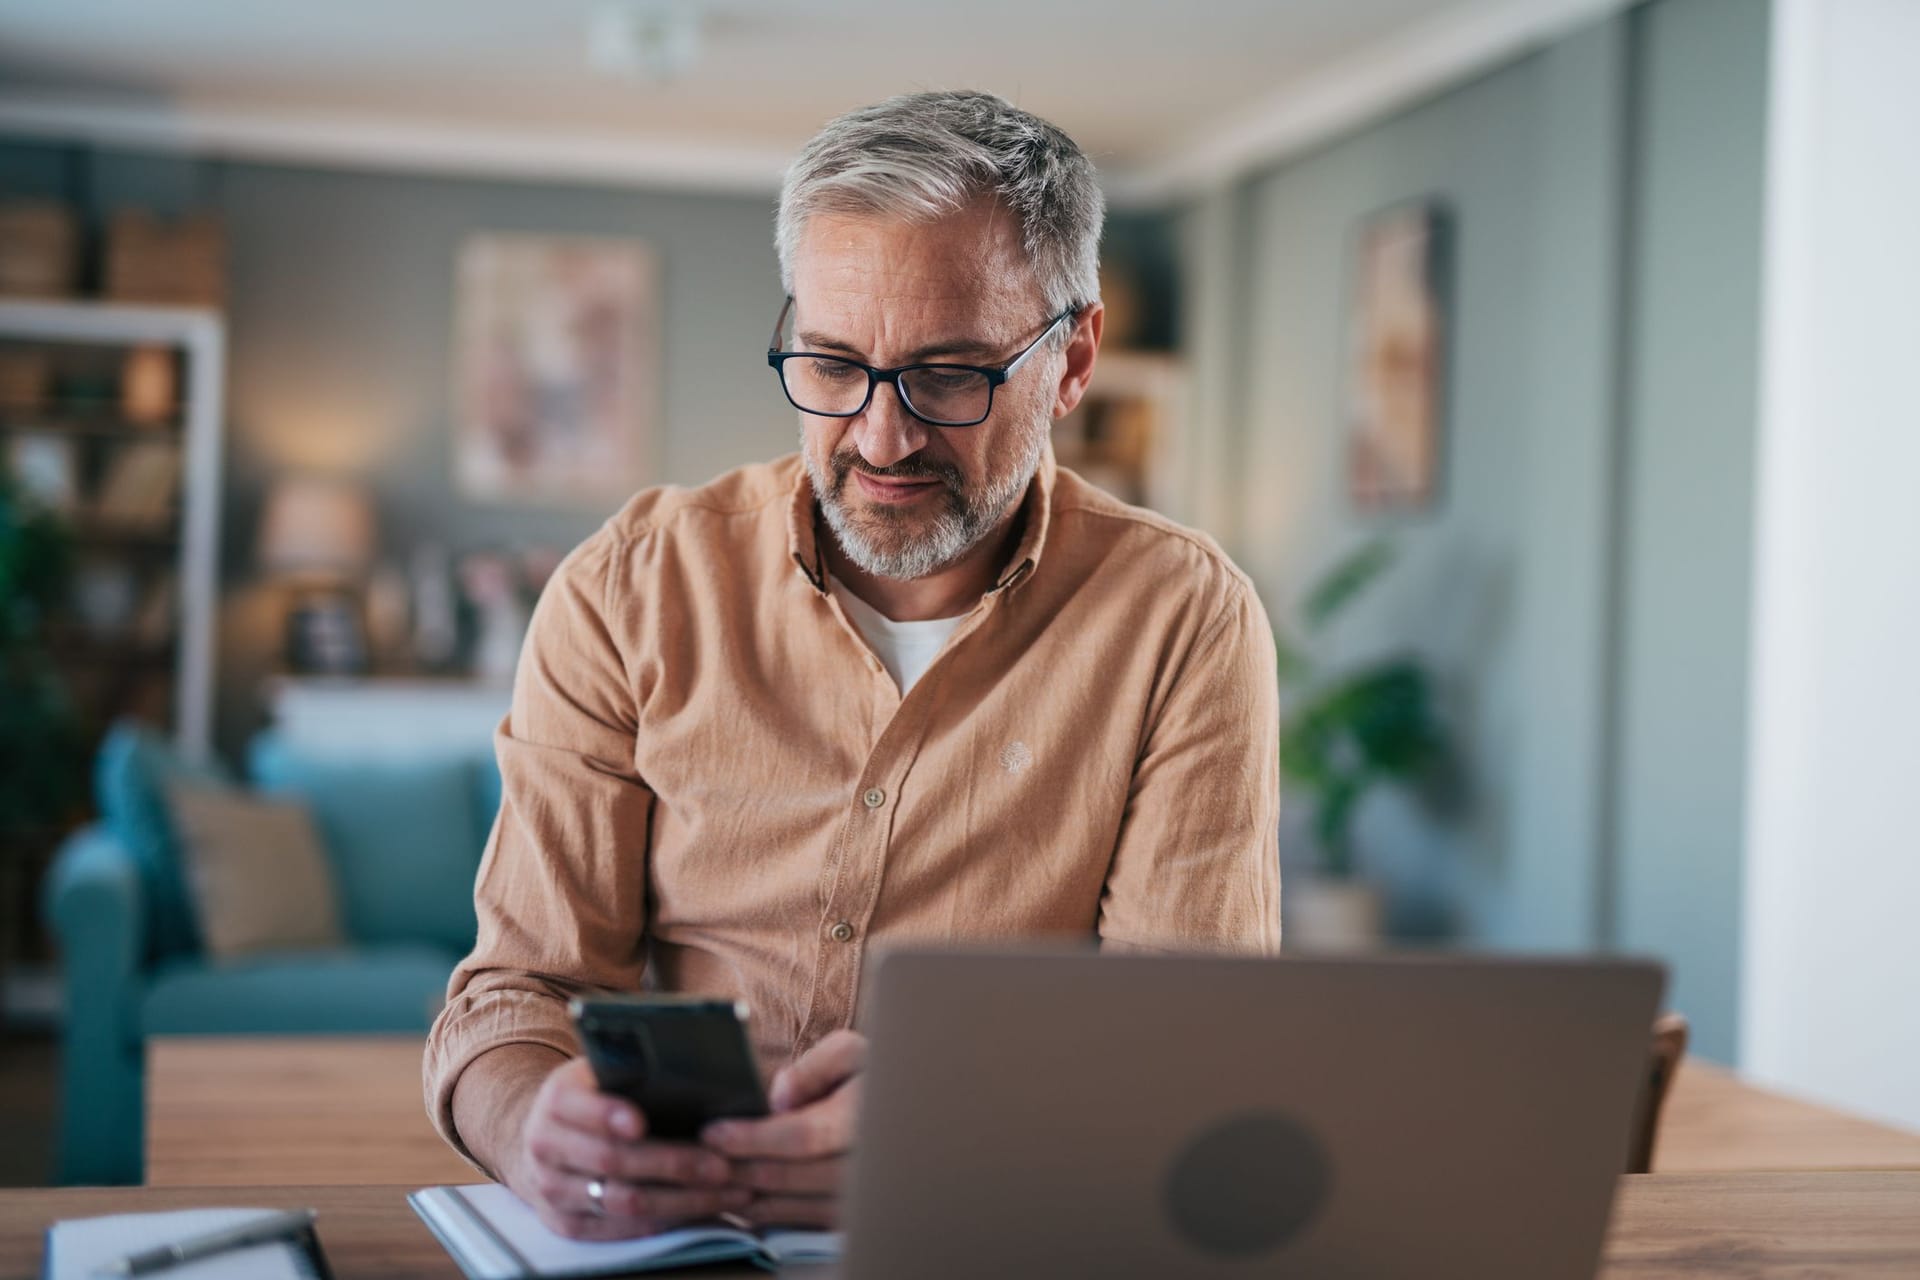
<point>41,749</point>
<point>1342,735</point>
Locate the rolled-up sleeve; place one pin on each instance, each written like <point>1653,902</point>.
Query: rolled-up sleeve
<point>1197,863</point>
<point>560,892</point>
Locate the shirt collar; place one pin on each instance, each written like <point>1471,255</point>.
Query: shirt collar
<point>803,529</point>
<point>803,541</point>
<point>1037,515</point>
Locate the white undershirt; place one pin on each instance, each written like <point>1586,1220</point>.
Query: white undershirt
<point>906,649</point>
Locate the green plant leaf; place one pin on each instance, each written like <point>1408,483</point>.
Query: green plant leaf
<point>1349,576</point>
<point>42,752</point>
<point>1387,710</point>
<point>1340,739</point>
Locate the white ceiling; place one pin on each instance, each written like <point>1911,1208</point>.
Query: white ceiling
<point>1144,85</point>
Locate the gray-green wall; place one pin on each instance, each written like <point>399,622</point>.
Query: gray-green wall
<point>1580,586</point>
<point>1691,382</point>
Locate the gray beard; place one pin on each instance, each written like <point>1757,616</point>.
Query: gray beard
<point>876,543</point>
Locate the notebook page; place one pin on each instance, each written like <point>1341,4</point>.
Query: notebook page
<point>799,1247</point>
<point>76,1246</point>
<point>550,1253</point>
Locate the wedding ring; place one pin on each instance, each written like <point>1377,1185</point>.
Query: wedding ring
<point>597,1192</point>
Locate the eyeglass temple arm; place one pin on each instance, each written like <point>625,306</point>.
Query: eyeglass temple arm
<point>1034,346</point>
<point>780,325</point>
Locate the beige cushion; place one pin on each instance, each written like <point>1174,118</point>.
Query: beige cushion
<point>255,870</point>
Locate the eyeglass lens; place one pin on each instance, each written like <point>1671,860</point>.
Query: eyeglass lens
<point>827,386</point>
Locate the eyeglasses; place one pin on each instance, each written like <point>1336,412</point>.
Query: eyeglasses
<point>941,395</point>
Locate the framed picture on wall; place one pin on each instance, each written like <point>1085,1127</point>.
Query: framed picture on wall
<point>556,359</point>
<point>1395,384</point>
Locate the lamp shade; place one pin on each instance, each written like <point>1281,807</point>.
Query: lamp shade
<point>317,525</point>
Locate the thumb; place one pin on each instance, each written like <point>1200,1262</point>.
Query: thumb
<point>819,1071</point>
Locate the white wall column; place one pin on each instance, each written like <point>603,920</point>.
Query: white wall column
<point>1831,952</point>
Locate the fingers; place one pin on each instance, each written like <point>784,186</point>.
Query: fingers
<point>624,1209</point>
<point>789,1177</point>
<point>654,1204</point>
<point>572,1151</point>
<point>820,1129</point>
<point>571,1136</point>
<point>576,1101</point>
<point>819,1071</point>
<point>793,1211</point>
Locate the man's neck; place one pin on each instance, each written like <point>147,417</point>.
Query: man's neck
<point>946,593</point>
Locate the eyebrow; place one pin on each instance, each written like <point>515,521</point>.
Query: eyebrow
<point>968,346</point>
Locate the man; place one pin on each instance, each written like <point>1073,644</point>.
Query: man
<point>917,684</point>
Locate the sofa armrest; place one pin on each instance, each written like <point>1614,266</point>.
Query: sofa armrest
<point>93,902</point>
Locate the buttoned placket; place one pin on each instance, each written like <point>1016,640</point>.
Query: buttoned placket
<point>851,880</point>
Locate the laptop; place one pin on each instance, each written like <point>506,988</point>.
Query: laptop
<point>1072,1114</point>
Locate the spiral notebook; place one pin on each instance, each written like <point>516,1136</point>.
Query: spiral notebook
<point>493,1235</point>
<point>76,1246</point>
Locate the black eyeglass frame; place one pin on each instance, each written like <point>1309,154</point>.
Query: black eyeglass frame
<point>994,374</point>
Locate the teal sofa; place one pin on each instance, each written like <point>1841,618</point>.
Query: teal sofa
<point>404,838</point>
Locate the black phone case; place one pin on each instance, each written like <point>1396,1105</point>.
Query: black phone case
<point>683,1063</point>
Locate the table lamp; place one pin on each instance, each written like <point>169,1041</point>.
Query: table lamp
<point>318,532</point>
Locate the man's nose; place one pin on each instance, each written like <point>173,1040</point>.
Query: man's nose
<point>885,432</point>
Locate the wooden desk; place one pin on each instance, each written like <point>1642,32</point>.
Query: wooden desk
<point>261,1111</point>
<point>1750,1225</point>
<point>347,1110</point>
<point>1716,1122</point>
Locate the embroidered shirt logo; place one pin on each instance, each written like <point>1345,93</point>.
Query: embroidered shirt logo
<point>1015,757</point>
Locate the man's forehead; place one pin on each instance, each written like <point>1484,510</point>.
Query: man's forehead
<point>971,255</point>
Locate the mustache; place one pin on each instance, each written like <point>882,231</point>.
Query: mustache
<point>911,467</point>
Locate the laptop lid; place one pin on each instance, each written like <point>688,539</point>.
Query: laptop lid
<point>1084,1114</point>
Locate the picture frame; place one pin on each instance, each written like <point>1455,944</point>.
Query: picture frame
<point>1395,382</point>
<point>556,368</point>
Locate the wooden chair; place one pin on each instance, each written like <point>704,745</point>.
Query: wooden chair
<point>1668,1048</point>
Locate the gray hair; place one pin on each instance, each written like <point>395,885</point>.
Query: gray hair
<point>922,156</point>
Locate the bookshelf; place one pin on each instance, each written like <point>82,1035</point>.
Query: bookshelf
<point>1123,435</point>
<point>139,485</point>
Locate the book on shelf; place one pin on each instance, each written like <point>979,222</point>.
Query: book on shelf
<point>494,1235</point>
<point>140,485</point>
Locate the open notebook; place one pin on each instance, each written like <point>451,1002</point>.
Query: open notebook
<point>493,1235</point>
<point>77,1246</point>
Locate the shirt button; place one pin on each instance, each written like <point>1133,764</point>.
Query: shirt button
<point>842,932</point>
<point>875,797</point>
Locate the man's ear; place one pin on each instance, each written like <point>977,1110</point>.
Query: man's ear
<point>1081,350</point>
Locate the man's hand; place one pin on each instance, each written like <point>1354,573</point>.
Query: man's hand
<point>573,1134</point>
<point>793,1160</point>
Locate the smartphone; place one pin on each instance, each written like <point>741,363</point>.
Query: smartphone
<point>683,1060</point>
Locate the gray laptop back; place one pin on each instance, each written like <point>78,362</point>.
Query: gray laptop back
<point>1073,1114</point>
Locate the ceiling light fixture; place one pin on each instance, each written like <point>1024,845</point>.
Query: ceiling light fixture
<point>647,40</point>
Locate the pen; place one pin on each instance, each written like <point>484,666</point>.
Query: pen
<point>280,1226</point>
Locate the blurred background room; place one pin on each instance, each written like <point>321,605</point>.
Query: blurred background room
<point>1546,363</point>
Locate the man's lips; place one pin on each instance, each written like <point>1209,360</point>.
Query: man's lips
<point>891,489</point>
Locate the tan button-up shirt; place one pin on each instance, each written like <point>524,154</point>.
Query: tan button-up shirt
<point>712,785</point>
